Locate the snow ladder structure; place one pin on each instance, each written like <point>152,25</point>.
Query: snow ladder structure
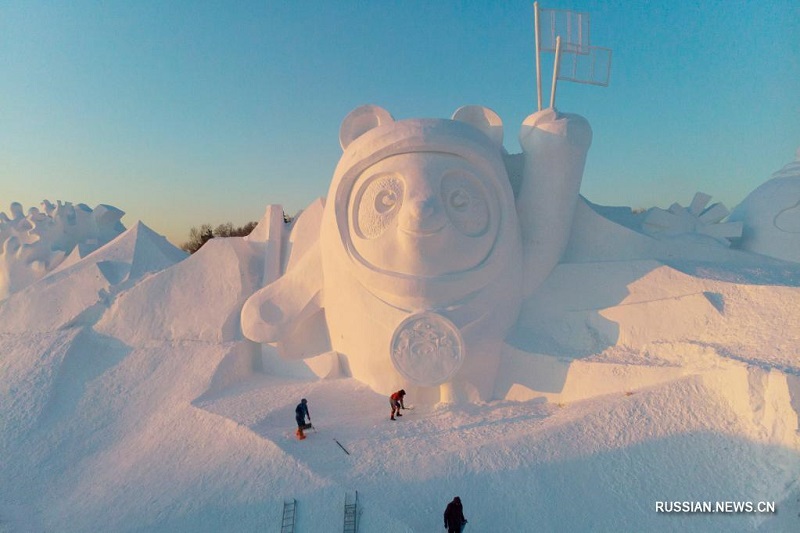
<point>287,523</point>
<point>351,514</point>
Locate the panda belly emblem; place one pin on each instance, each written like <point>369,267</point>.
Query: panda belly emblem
<point>427,349</point>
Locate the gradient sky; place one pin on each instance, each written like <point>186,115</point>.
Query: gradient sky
<point>183,113</point>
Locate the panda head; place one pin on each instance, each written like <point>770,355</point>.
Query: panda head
<point>422,198</point>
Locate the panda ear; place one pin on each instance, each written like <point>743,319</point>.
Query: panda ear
<point>482,118</point>
<point>360,120</point>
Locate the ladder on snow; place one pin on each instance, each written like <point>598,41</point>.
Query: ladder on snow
<point>350,514</point>
<point>287,523</point>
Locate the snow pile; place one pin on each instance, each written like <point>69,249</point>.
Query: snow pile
<point>79,291</point>
<point>199,299</point>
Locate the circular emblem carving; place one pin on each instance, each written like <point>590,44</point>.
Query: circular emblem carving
<point>427,349</point>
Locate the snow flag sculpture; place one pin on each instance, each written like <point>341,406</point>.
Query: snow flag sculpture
<point>567,34</point>
<point>424,254</point>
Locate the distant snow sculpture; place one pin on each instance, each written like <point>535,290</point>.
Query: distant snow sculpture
<point>34,244</point>
<point>771,215</point>
<point>423,253</point>
<point>695,219</point>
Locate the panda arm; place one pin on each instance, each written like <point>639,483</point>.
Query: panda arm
<point>554,145</point>
<point>273,312</point>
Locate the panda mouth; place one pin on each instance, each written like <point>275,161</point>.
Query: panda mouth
<point>422,232</point>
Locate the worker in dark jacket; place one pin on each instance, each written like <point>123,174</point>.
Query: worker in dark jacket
<point>454,519</point>
<point>300,414</point>
<point>396,401</point>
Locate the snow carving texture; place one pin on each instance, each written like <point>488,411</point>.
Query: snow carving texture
<point>695,219</point>
<point>771,215</point>
<point>33,245</point>
<point>427,349</point>
<point>376,205</point>
<point>424,253</point>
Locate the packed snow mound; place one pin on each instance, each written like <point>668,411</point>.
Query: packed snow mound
<point>771,215</point>
<point>604,327</point>
<point>77,293</point>
<point>105,418</point>
<point>198,299</point>
<point>584,308</point>
<point>128,439</point>
<point>603,233</point>
<point>34,244</point>
<point>521,463</point>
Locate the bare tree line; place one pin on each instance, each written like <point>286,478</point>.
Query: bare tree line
<point>198,236</point>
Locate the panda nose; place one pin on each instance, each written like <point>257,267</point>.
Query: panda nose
<point>422,209</point>
<point>423,216</point>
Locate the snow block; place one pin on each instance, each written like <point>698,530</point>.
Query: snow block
<point>198,299</point>
<point>67,293</point>
<point>584,308</point>
<point>528,376</point>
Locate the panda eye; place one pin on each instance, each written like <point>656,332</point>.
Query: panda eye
<point>465,200</point>
<point>375,204</point>
<point>385,200</point>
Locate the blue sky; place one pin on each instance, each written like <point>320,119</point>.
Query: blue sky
<point>182,113</point>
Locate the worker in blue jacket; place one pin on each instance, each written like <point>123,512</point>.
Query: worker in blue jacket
<point>300,414</point>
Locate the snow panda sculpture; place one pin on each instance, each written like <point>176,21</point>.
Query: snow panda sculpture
<point>424,253</point>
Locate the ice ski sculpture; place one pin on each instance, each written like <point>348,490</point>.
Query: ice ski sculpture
<point>697,219</point>
<point>424,254</point>
<point>33,245</point>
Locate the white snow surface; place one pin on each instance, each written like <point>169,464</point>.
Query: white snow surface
<point>130,401</point>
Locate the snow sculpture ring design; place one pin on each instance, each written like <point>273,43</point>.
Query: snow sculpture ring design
<point>427,349</point>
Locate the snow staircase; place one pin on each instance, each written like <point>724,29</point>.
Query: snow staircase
<point>350,513</point>
<point>287,523</point>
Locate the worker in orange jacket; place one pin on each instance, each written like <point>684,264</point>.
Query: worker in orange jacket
<point>396,401</point>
